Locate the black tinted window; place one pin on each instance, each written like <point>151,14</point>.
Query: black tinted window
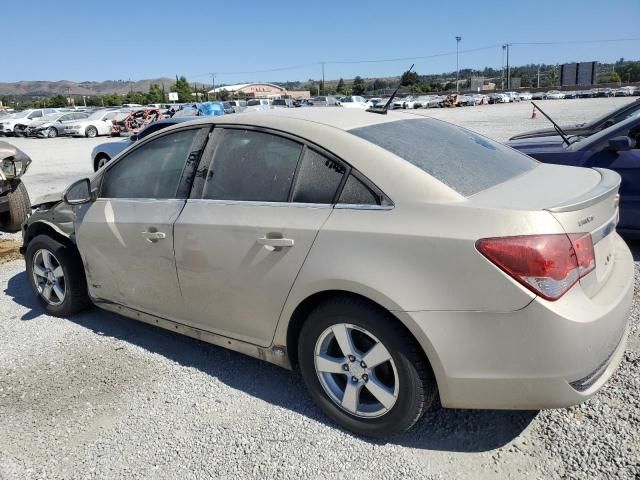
<point>151,171</point>
<point>460,158</point>
<point>318,179</point>
<point>357,193</point>
<point>252,166</point>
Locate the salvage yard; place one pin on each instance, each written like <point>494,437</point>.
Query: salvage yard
<point>102,396</point>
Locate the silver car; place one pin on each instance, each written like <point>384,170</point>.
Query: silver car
<point>392,258</point>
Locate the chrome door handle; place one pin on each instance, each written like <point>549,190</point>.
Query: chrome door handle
<point>276,244</point>
<point>154,236</point>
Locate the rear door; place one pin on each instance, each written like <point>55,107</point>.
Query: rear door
<point>126,235</point>
<point>255,211</point>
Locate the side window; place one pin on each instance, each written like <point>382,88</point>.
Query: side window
<point>36,114</point>
<point>318,179</point>
<point>251,166</point>
<point>70,116</point>
<point>153,170</point>
<point>356,192</point>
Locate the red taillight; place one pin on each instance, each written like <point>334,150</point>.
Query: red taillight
<point>548,265</point>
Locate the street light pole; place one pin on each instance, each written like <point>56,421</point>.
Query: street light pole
<point>213,84</point>
<point>323,88</point>
<point>458,38</point>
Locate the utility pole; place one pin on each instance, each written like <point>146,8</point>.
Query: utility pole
<point>323,89</point>
<point>458,38</point>
<point>504,48</point>
<point>538,77</point>
<point>213,84</point>
<point>508,69</point>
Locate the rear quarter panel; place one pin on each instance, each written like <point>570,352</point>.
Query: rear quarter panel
<point>415,258</point>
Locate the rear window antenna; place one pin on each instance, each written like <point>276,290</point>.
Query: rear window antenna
<point>383,110</point>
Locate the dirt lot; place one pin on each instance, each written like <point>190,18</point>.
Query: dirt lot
<point>102,396</point>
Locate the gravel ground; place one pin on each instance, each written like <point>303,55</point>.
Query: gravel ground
<point>102,396</point>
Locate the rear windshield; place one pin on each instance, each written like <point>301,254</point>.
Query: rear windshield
<point>463,160</point>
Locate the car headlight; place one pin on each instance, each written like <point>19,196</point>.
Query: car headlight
<point>11,168</point>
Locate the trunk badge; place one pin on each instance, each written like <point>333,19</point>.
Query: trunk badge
<point>586,220</point>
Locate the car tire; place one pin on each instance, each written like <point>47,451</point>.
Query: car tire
<point>100,161</point>
<point>66,272</point>
<point>19,206</point>
<point>16,132</point>
<point>91,131</point>
<point>52,132</point>
<point>407,381</point>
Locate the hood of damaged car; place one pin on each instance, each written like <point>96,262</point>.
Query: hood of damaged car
<point>10,152</point>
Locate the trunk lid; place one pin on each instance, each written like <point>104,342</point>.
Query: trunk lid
<point>582,200</point>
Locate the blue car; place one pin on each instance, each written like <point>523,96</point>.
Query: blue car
<point>616,148</point>
<point>103,153</point>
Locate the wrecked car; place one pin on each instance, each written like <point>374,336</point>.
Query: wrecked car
<point>134,122</point>
<point>14,199</point>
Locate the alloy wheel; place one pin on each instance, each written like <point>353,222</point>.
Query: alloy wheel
<point>356,371</point>
<point>48,277</point>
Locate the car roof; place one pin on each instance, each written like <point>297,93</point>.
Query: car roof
<point>329,127</point>
<point>342,119</point>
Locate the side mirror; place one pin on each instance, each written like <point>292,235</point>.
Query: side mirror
<point>78,192</point>
<point>620,144</point>
<point>134,137</point>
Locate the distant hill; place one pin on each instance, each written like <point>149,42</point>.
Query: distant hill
<point>43,88</point>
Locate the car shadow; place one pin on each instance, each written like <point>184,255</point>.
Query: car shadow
<point>439,429</point>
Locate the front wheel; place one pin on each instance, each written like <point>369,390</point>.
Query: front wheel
<point>92,132</point>
<point>52,132</point>
<point>362,370</point>
<point>56,276</point>
<point>19,206</point>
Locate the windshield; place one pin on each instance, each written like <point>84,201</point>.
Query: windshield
<point>627,111</point>
<point>620,129</point>
<point>52,117</point>
<point>279,102</point>
<point>252,103</point>
<point>97,115</point>
<point>23,114</point>
<point>460,158</point>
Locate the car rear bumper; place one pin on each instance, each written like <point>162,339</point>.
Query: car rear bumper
<point>546,355</point>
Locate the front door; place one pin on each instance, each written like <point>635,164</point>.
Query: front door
<point>126,235</point>
<point>242,240</point>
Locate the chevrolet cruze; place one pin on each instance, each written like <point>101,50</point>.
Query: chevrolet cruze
<point>392,258</point>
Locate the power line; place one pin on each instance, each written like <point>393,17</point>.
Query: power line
<point>415,57</point>
<point>566,42</point>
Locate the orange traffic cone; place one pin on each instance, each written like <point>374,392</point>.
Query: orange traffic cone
<point>533,113</point>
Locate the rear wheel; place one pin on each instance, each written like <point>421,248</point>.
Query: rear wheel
<point>91,132</point>
<point>56,275</point>
<point>362,371</point>
<point>19,206</point>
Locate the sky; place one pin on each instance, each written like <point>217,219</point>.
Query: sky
<point>238,41</point>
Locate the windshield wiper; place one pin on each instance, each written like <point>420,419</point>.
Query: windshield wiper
<point>383,110</point>
<point>557,128</point>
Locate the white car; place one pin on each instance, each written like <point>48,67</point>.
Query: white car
<point>98,123</point>
<point>15,123</point>
<point>401,102</point>
<point>354,101</point>
<point>554,95</point>
<point>258,104</point>
<point>513,96</point>
<point>526,96</point>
